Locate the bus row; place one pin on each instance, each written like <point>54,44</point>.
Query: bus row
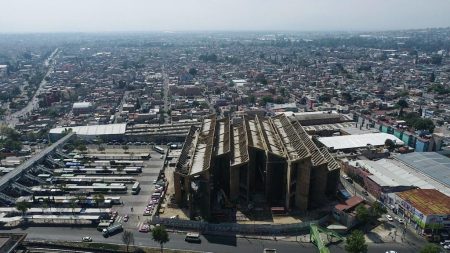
<point>99,170</point>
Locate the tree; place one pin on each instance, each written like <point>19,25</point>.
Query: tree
<point>193,71</point>
<point>252,99</point>
<point>389,144</point>
<point>424,124</point>
<point>356,243</point>
<point>362,214</point>
<point>402,104</point>
<point>82,147</point>
<point>160,235</point>
<point>23,206</point>
<point>73,204</point>
<point>127,238</point>
<point>377,209</point>
<point>99,198</point>
<point>430,248</point>
<point>266,99</point>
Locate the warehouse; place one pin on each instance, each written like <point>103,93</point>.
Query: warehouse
<point>351,142</point>
<point>105,132</point>
<point>432,164</point>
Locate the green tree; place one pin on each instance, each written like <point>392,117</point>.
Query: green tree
<point>73,204</point>
<point>127,238</point>
<point>356,243</point>
<point>193,71</point>
<point>389,144</point>
<point>362,214</point>
<point>430,248</point>
<point>377,209</point>
<point>266,99</point>
<point>23,206</point>
<point>424,124</point>
<point>160,235</point>
<point>99,198</point>
<point>252,99</point>
<point>402,104</point>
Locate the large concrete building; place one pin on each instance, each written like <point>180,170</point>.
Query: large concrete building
<point>224,164</point>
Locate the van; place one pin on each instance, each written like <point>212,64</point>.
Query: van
<point>193,237</point>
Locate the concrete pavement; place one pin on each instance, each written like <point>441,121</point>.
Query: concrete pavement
<point>218,244</point>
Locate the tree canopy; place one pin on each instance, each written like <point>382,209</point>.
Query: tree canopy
<point>430,248</point>
<point>160,235</point>
<point>356,243</point>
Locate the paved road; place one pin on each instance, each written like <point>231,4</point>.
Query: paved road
<point>166,95</point>
<point>13,119</point>
<point>409,236</point>
<point>209,243</point>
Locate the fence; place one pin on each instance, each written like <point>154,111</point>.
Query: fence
<point>235,228</point>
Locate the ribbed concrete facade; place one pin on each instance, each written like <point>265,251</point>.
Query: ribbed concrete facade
<point>229,164</point>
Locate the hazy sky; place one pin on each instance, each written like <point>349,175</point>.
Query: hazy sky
<point>194,15</point>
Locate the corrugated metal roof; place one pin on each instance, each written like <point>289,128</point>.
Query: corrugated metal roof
<point>358,141</point>
<point>94,129</point>
<point>427,201</point>
<point>391,173</point>
<point>432,164</point>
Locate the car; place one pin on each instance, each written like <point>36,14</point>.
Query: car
<point>270,251</point>
<point>147,213</point>
<point>389,218</point>
<point>446,242</point>
<point>155,181</point>
<point>193,237</point>
<point>447,246</point>
<point>162,157</point>
<point>391,251</point>
<point>365,193</point>
<point>400,220</point>
<point>125,218</point>
<point>145,228</point>
<point>86,239</point>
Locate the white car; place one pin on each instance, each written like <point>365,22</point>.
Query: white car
<point>86,239</point>
<point>389,218</point>
<point>391,251</point>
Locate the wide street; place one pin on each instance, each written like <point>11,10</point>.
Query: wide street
<point>33,104</point>
<point>225,244</point>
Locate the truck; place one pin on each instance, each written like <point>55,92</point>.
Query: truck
<point>112,230</point>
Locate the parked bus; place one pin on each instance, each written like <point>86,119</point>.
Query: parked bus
<point>158,149</point>
<point>114,229</point>
<point>136,188</point>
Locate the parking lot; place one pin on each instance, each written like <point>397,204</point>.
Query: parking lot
<point>89,186</point>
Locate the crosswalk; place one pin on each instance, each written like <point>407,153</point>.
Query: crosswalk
<point>119,218</point>
<point>130,223</point>
<point>140,224</point>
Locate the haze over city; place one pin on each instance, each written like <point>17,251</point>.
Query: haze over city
<point>244,126</point>
<point>231,15</point>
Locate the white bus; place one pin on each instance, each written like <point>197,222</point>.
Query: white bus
<point>136,188</point>
<point>158,149</point>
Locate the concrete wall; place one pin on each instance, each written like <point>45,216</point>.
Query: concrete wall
<point>318,185</point>
<point>302,189</point>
